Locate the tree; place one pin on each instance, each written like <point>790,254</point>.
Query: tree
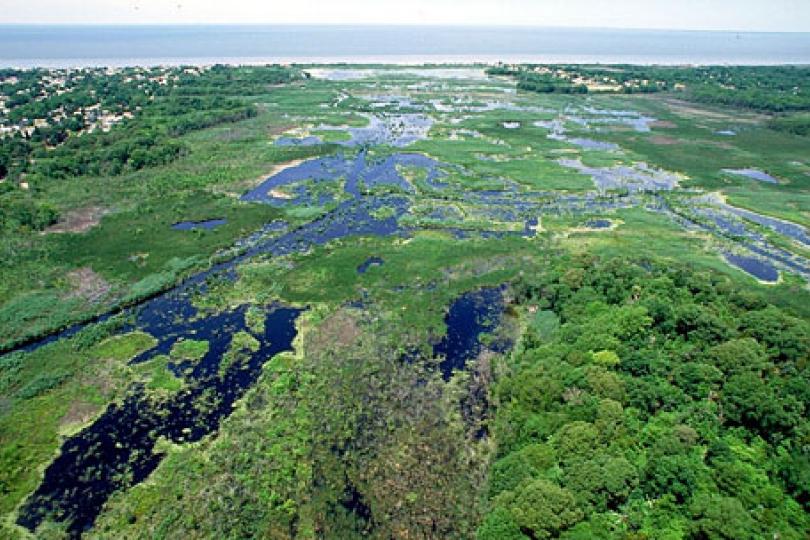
<point>606,358</point>
<point>697,379</point>
<point>696,323</point>
<point>671,474</point>
<point>722,518</point>
<point>541,508</point>
<point>604,383</point>
<point>752,402</point>
<point>602,483</point>
<point>499,525</point>
<point>577,442</point>
<point>738,355</point>
<point>787,338</point>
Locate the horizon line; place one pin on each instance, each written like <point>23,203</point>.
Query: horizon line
<point>391,25</point>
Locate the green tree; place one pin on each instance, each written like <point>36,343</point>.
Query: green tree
<point>722,518</point>
<point>541,508</point>
<point>752,402</point>
<point>499,525</point>
<point>738,355</point>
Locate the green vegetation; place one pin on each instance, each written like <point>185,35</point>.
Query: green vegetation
<point>340,442</point>
<point>52,392</point>
<point>118,225</point>
<point>779,90</point>
<point>649,390</point>
<point>773,89</point>
<point>798,124</point>
<point>154,107</point>
<point>666,405</point>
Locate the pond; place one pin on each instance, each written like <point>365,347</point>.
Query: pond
<point>368,263</point>
<point>195,225</point>
<point>639,177</point>
<point>727,222</point>
<point>356,171</point>
<point>304,141</point>
<point>470,315</point>
<point>595,117</point>
<point>599,224</point>
<point>791,230</point>
<point>637,121</point>
<point>758,268</point>
<point>754,174</point>
<point>734,220</point>
<point>398,130</point>
<point>590,144</point>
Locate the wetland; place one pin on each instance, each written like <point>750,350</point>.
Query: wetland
<point>456,308</point>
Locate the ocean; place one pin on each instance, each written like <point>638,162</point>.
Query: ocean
<point>77,46</point>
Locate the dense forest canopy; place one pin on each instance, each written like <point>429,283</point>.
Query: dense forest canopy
<point>650,402</point>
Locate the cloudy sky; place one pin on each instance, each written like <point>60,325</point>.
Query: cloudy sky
<point>757,15</point>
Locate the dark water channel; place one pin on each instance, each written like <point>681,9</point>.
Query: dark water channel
<point>117,450</point>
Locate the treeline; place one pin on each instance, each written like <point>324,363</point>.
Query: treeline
<point>775,89</point>
<point>651,402</point>
<point>543,83</point>
<point>798,124</point>
<point>227,81</point>
<point>548,84</point>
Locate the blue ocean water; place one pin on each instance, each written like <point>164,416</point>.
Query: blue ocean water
<point>67,46</point>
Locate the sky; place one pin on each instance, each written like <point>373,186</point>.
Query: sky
<point>739,15</point>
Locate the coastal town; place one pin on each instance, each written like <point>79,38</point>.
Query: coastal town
<point>58,123</point>
<point>52,104</point>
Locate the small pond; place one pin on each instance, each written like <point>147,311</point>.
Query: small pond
<point>196,225</point>
<point>368,263</point>
<point>754,174</point>
<point>470,315</point>
<point>639,177</point>
<point>304,141</point>
<point>755,267</point>
<point>590,144</point>
<point>599,224</point>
